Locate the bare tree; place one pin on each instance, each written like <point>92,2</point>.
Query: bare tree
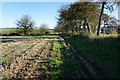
<point>43,29</point>
<point>25,23</point>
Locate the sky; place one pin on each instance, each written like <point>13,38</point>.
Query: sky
<point>41,12</point>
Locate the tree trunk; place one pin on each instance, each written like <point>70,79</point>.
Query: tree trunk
<point>84,26</point>
<point>79,27</point>
<point>87,26</point>
<point>25,32</point>
<point>72,31</point>
<point>98,31</point>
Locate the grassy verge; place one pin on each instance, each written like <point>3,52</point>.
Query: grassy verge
<point>103,50</point>
<point>62,63</point>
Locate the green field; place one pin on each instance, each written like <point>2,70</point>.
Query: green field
<point>7,31</point>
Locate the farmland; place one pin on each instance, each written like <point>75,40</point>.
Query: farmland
<point>38,57</point>
<point>48,56</point>
<point>7,31</point>
<point>82,41</point>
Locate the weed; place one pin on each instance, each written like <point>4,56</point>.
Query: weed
<point>39,55</point>
<point>7,62</point>
<point>53,63</point>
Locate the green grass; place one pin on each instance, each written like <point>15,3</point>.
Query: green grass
<point>62,63</point>
<point>101,49</point>
<point>53,63</point>
<point>54,75</point>
<point>7,31</point>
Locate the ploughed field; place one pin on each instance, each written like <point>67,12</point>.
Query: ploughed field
<point>38,57</point>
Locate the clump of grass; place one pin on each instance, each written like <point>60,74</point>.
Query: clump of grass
<point>5,60</point>
<point>26,54</point>
<point>53,54</point>
<point>7,57</point>
<point>38,55</point>
<point>44,56</point>
<point>54,74</point>
<point>53,63</point>
<point>43,68</point>
<point>8,62</point>
<point>27,45</point>
<point>4,75</point>
<point>29,62</point>
<point>41,39</point>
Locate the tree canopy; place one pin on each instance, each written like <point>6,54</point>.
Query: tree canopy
<point>78,16</point>
<point>84,17</point>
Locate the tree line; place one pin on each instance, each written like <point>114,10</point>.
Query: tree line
<point>86,17</point>
<point>76,18</point>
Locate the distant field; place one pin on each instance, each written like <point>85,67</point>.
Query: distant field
<point>7,31</point>
<point>51,31</point>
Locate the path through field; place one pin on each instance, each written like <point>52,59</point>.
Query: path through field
<point>38,57</point>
